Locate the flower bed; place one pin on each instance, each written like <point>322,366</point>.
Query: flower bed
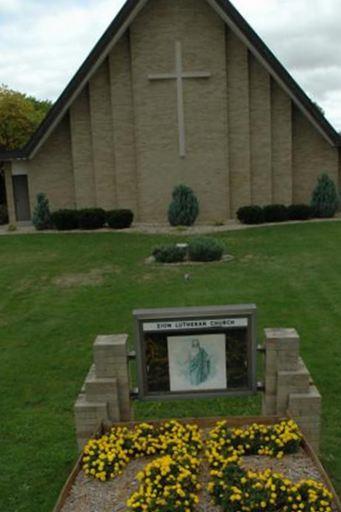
<point>181,467</point>
<point>234,488</point>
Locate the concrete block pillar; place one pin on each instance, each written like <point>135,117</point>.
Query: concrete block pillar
<point>111,362</point>
<point>306,409</point>
<point>105,396</point>
<point>288,383</point>
<point>281,354</point>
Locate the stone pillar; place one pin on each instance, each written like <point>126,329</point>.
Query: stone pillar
<point>306,409</point>
<point>288,387</point>
<point>105,396</point>
<point>111,362</point>
<point>10,193</point>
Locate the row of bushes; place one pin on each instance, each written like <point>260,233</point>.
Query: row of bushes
<point>86,218</point>
<point>274,213</point>
<point>198,249</point>
<point>91,218</point>
<point>325,202</point>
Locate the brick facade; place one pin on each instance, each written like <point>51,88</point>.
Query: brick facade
<point>117,147</point>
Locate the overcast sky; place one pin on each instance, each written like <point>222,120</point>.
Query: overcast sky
<point>43,43</point>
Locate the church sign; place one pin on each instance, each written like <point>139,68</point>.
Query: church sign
<point>196,352</point>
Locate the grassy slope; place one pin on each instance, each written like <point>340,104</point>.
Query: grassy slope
<point>291,272</point>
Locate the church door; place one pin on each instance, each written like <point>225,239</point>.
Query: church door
<point>21,198</point>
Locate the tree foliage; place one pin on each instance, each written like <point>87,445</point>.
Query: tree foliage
<point>20,115</point>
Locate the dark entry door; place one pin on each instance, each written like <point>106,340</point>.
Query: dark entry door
<point>22,203</point>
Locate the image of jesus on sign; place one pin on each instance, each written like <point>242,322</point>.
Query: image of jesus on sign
<point>197,362</point>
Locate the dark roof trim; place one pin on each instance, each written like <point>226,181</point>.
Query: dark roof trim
<point>96,54</point>
<point>14,154</point>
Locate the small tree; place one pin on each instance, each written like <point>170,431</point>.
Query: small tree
<point>41,216</point>
<point>325,199</point>
<point>184,208</point>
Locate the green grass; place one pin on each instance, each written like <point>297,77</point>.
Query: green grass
<point>291,272</point>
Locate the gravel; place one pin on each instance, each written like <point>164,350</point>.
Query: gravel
<point>89,495</point>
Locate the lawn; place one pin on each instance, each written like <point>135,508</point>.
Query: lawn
<point>59,291</point>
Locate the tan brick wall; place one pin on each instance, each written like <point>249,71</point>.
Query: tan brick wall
<point>239,123</point>
<point>281,145</point>
<point>244,143</point>
<point>153,36</point>
<point>123,125</point>
<point>102,138</point>
<point>82,154</point>
<point>312,155</point>
<point>50,171</point>
<point>260,136</point>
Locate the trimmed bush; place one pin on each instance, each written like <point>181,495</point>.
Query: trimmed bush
<point>184,209</point>
<point>325,199</point>
<point>169,254</point>
<point>65,220</point>
<point>120,219</point>
<point>205,249</point>
<point>250,215</point>
<point>3,214</point>
<point>275,213</point>
<point>91,218</point>
<point>300,212</point>
<point>42,216</point>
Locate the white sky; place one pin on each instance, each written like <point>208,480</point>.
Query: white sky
<point>43,43</point>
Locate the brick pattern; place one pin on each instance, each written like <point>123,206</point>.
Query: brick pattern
<point>312,155</point>
<point>118,145</point>
<point>82,152</point>
<point>102,138</point>
<point>160,168</point>
<point>260,133</point>
<point>105,396</point>
<point>281,145</point>
<point>51,170</point>
<point>123,126</point>
<point>239,122</point>
<point>288,387</point>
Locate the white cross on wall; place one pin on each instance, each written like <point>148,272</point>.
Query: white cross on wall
<point>179,76</point>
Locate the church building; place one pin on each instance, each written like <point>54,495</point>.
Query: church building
<point>175,92</point>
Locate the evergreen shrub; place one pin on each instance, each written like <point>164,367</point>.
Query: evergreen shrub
<point>91,218</point>
<point>184,208</point>
<point>300,212</point>
<point>205,249</point>
<point>250,215</point>
<point>41,215</point>
<point>325,199</point>
<point>120,219</point>
<point>275,213</point>
<point>169,254</point>
<point>65,220</point>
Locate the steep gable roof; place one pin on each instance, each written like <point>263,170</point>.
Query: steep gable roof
<point>131,8</point>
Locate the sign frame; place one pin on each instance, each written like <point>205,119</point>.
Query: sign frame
<point>177,320</point>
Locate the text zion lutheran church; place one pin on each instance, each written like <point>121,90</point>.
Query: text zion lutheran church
<point>176,91</point>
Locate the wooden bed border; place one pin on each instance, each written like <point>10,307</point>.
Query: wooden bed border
<point>236,421</point>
